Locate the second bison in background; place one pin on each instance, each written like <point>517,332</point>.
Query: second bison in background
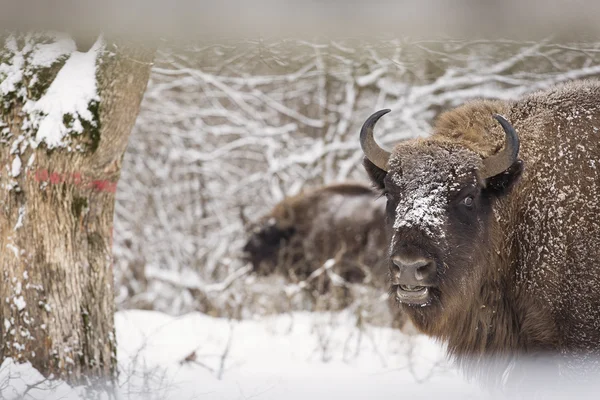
<point>326,239</point>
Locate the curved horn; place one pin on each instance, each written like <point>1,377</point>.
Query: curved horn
<point>374,153</point>
<point>501,161</point>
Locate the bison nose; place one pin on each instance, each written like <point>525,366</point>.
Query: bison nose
<point>412,271</point>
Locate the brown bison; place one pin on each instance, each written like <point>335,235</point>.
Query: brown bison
<point>494,226</point>
<point>331,231</point>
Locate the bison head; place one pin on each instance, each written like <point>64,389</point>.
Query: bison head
<point>264,243</point>
<point>440,199</point>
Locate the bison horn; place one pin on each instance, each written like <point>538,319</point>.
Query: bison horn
<point>501,161</point>
<point>373,152</point>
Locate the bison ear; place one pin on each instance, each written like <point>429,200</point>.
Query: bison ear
<point>375,173</point>
<point>501,184</point>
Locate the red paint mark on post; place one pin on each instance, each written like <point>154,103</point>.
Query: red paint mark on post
<point>75,178</point>
<point>55,178</point>
<point>41,175</point>
<point>104,186</point>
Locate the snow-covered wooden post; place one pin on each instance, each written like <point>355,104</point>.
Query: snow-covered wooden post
<point>66,116</point>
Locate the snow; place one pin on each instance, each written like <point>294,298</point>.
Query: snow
<point>50,113</point>
<point>292,356</point>
<point>17,379</point>
<point>71,93</point>
<point>371,78</point>
<point>25,60</point>
<point>20,303</point>
<point>16,167</point>
<point>426,208</point>
<point>14,249</point>
<point>11,72</point>
<point>46,54</point>
<point>19,224</point>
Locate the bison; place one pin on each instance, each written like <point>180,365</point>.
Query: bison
<point>494,229</point>
<point>338,227</point>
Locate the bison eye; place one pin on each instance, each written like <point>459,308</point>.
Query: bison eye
<point>468,202</point>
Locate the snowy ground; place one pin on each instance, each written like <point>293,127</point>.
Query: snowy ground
<point>295,356</point>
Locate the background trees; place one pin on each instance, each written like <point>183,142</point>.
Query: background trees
<point>228,128</point>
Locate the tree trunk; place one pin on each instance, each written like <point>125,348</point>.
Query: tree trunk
<point>66,119</point>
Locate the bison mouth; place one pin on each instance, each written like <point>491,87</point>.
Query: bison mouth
<point>415,295</point>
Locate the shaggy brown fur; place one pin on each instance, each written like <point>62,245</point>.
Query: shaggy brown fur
<point>518,275</point>
<point>342,222</point>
